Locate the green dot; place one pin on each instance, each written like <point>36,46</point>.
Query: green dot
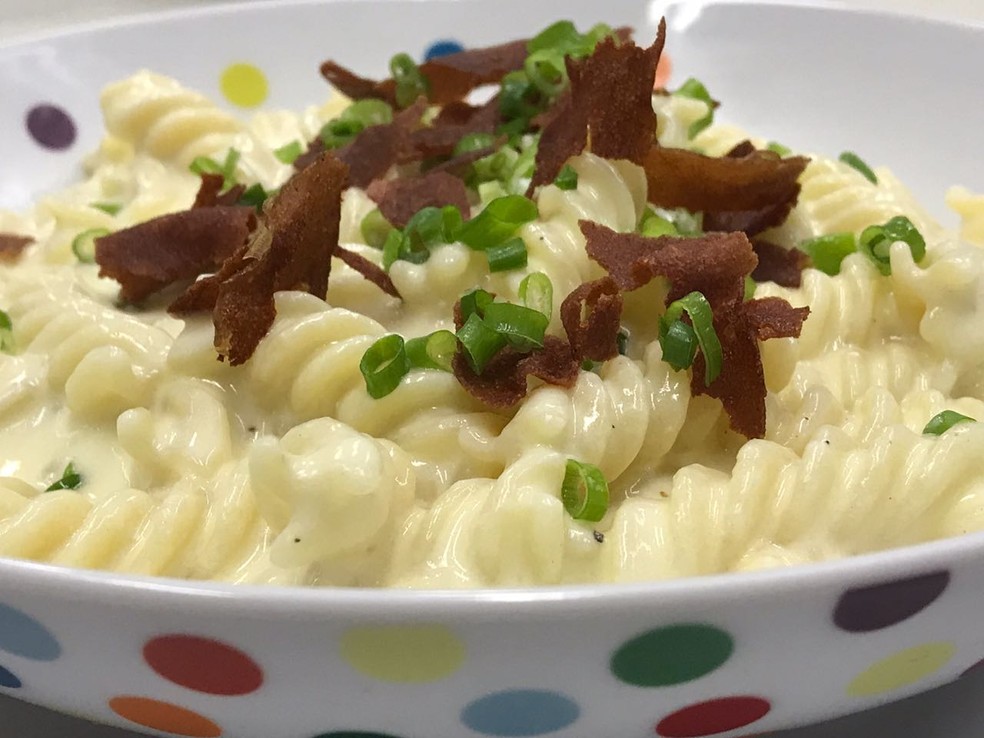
<point>672,655</point>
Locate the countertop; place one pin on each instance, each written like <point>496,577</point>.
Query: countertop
<point>954,711</point>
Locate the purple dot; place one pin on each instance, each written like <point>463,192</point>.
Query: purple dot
<point>8,680</point>
<point>866,609</point>
<point>441,48</point>
<point>51,127</point>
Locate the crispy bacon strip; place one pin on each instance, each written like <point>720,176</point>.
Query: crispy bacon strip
<point>776,264</point>
<point>454,122</point>
<point>591,316</point>
<point>370,270</point>
<point>148,257</point>
<point>291,250</point>
<point>400,199</point>
<point>371,154</point>
<point>208,192</point>
<point>609,108</point>
<point>12,246</point>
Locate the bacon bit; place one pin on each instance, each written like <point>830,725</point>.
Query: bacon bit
<point>455,121</point>
<point>356,87</point>
<point>400,199</point>
<point>291,250</point>
<point>609,108</point>
<point>371,271</point>
<point>458,165</point>
<point>148,257</point>
<point>208,192</point>
<point>591,316</point>
<point>12,246</point>
<point>371,153</point>
<point>503,383</point>
<point>678,178</point>
<point>779,265</point>
<point>316,147</point>
<point>715,265</point>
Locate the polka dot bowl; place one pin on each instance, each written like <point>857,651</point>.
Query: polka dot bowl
<point>729,656</point>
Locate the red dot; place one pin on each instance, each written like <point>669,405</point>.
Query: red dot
<point>203,665</point>
<point>713,717</point>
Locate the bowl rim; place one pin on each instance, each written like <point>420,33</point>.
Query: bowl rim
<point>281,600</point>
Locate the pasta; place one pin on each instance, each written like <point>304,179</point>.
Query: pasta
<point>286,469</point>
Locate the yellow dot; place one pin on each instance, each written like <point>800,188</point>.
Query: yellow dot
<point>901,670</point>
<point>423,653</point>
<point>244,85</point>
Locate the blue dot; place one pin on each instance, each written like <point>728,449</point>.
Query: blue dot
<point>442,48</point>
<point>8,680</point>
<point>22,635</point>
<point>520,712</point>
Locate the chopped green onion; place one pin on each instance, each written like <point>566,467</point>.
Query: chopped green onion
<point>479,342</point>
<point>856,162</point>
<point>547,71</point>
<point>384,365</point>
<point>391,248</point>
<point>410,81</point>
<point>6,333</point>
<point>110,208</point>
<point>944,421</point>
<point>777,148</point>
<point>523,327</point>
<point>507,255</point>
<point>375,228</point>
<point>536,292</point>
<point>489,191</point>
<point>475,303</point>
<point>432,352</point>
<point>683,221</point>
<point>519,99</point>
<point>695,90</point>
<point>674,335</point>
<point>560,35</point>
<point>254,196</point>
<point>567,179</point>
<point>500,219</point>
<point>288,154</point>
<point>654,225</point>
<point>749,288</point>
<point>622,341</point>
<point>354,119</point>
<point>428,227</point>
<point>70,479</point>
<point>207,165</point>
<point>84,244</point>
<point>584,491</point>
<point>876,242</point>
<point>828,252</point>
<point>473,142</point>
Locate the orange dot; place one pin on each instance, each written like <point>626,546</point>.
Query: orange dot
<point>164,716</point>
<point>663,71</point>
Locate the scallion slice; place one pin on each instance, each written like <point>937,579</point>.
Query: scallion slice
<point>473,142</point>
<point>70,479</point>
<point>384,365</point>
<point>777,148</point>
<point>507,255</point>
<point>500,219</point>
<point>254,196</point>
<point>654,225</point>
<point>207,165</point>
<point>536,292</point>
<point>856,162</point>
<point>84,244</point>
<point>354,119</point>
<point>428,227</point>
<point>876,242</point>
<point>410,81</point>
<point>547,71</point>
<point>375,228</point>
<point>288,154</point>
<point>432,352</point>
<point>622,341</point>
<point>479,342</point>
<point>110,208</point>
<point>695,90</point>
<point>523,327</point>
<point>567,179</point>
<point>944,421</point>
<point>749,288</point>
<point>584,491</point>
<point>674,335</point>
<point>474,303</point>
<point>828,252</point>
<point>6,333</point>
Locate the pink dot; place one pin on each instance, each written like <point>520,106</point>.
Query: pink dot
<point>51,127</point>
<point>713,717</point>
<point>203,665</point>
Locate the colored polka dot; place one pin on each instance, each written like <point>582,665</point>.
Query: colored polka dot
<point>164,716</point>
<point>408,654</point>
<point>203,665</point>
<point>8,679</point>
<point>672,655</point>
<point>872,608</point>
<point>244,85</point>
<point>51,127</point>
<point>713,717</point>
<point>22,635</point>
<point>520,712</point>
<point>444,47</point>
<point>901,670</point>
<point>664,70</point>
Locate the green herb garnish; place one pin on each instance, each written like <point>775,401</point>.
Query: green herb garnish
<point>584,491</point>
<point>680,341</point>
<point>70,479</point>
<point>384,365</point>
<point>856,162</point>
<point>944,421</point>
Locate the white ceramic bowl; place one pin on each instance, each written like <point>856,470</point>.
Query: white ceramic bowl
<point>730,656</point>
